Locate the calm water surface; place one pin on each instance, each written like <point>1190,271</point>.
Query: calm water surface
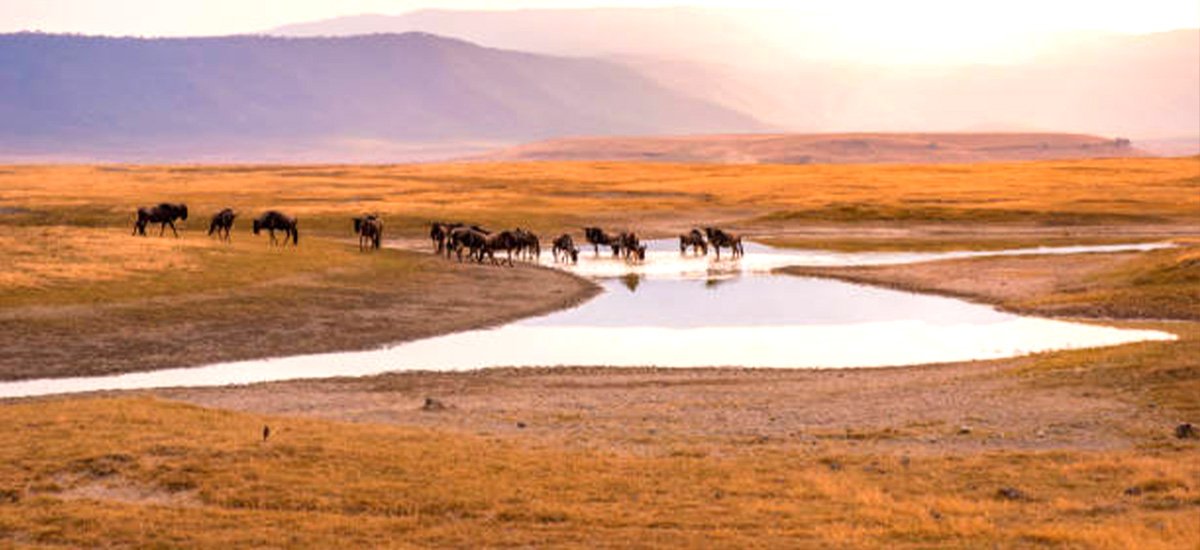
<point>675,311</point>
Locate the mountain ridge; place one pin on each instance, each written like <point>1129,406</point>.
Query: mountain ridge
<point>90,91</point>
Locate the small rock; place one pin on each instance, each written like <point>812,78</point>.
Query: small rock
<point>964,430</point>
<point>520,425</point>
<point>1133,491</point>
<point>835,465</point>
<point>433,405</point>
<point>9,496</point>
<point>935,514</point>
<point>1041,433</point>
<point>1185,431</point>
<point>1011,493</point>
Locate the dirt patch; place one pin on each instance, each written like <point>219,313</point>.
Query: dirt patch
<point>123,491</point>
<point>956,408</point>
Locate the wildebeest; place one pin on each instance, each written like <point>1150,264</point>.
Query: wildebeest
<point>695,240</point>
<point>272,220</point>
<point>164,214</point>
<point>596,237</point>
<point>718,239</point>
<point>447,242</point>
<point>438,232</point>
<point>504,240</point>
<point>626,245</point>
<point>527,244</point>
<point>370,230</point>
<point>470,238</point>
<point>636,253</point>
<point>222,223</point>
<point>565,245</point>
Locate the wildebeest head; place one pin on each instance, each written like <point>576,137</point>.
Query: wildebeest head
<point>182,209</point>
<point>358,225</point>
<point>257,226</point>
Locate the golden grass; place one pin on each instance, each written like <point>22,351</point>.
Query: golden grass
<point>110,473</point>
<point>60,265</point>
<point>553,196</point>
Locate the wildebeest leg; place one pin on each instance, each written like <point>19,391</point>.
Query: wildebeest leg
<point>172,223</point>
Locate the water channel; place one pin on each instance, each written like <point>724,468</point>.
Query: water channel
<point>683,311</point>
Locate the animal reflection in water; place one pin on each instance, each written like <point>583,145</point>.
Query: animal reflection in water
<point>631,281</point>
<point>273,220</point>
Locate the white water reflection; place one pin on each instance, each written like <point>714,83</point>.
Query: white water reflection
<point>663,259</point>
<point>679,312</point>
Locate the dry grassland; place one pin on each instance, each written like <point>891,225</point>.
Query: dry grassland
<point>108,473</point>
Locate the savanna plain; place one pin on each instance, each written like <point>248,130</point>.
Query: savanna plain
<point>1073,449</point>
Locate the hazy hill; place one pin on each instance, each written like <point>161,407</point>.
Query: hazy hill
<point>790,71</point>
<point>171,97</point>
<point>824,148</point>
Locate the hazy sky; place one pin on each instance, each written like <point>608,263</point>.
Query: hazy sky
<point>928,18</point>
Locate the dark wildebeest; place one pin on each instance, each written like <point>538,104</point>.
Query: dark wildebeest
<point>164,214</point>
<point>528,245</point>
<point>469,238</point>
<point>565,245</point>
<point>504,240</point>
<point>370,230</point>
<point>449,243</point>
<point>438,232</point>
<point>719,239</point>
<point>222,224</point>
<point>272,220</point>
<point>596,237</point>
<point>694,239</point>
<point>636,253</point>
<point>626,245</point>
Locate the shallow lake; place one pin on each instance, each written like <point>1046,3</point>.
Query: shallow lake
<point>681,311</point>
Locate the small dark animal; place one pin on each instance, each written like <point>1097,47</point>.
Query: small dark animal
<point>266,432</point>
<point>720,239</point>
<point>273,220</point>
<point>504,240</point>
<point>438,232</point>
<point>695,240</point>
<point>370,231</point>
<point>164,214</point>
<point>636,254</point>
<point>222,223</point>
<point>528,245</point>
<point>565,245</point>
<point>596,237</point>
<point>627,245</point>
<point>466,238</point>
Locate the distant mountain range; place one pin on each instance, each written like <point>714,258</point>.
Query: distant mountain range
<point>235,97</point>
<point>786,69</point>
<point>393,89</point>
<point>907,148</point>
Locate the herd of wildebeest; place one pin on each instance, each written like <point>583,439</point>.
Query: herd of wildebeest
<point>467,242</point>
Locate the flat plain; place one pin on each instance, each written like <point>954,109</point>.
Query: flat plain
<point>1060,450</point>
